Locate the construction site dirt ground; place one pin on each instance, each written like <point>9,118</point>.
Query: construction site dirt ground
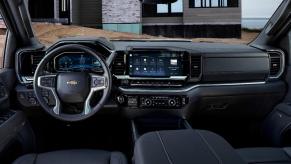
<point>50,33</point>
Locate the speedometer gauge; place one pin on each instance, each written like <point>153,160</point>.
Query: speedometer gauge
<point>65,63</point>
<point>77,61</point>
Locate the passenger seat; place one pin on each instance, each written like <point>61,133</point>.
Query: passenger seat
<point>266,155</point>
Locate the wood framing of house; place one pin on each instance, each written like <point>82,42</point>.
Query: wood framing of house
<point>183,18</point>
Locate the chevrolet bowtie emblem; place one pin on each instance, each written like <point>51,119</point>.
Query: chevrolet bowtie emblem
<point>72,82</point>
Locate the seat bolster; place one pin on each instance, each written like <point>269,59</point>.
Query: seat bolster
<point>26,159</point>
<point>265,155</point>
<point>288,151</point>
<point>117,158</point>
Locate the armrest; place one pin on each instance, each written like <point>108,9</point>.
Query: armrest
<point>184,147</point>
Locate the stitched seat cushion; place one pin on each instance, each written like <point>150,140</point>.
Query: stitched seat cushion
<point>184,147</point>
<point>73,157</point>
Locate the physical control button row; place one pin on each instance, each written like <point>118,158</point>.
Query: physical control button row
<point>29,98</point>
<point>47,82</point>
<point>162,101</point>
<point>98,81</point>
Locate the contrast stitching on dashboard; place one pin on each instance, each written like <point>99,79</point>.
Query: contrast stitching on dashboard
<point>164,148</point>
<point>210,147</point>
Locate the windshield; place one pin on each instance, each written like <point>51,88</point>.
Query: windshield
<point>227,21</point>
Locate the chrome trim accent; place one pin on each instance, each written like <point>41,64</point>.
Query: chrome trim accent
<point>127,77</point>
<point>201,68</point>
<point>187,89</point>
<point>56,108</point>
<point>27,79</point>
<point>282,54</point>
<point>149,85</point>
<point>111,58</point>
<point>87,107</point>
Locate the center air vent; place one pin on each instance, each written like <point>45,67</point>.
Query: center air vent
<point>276,63</point>
<point>35,60</point>
<point>118,67</point>
<point>196,67</point>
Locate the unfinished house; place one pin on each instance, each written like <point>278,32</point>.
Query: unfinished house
<point>182,18</point>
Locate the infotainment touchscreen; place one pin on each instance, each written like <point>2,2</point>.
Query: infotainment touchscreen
<point>155,64</point>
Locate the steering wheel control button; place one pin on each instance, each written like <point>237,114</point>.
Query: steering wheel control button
<point>32,101</point>
<point>45,93</point>
<point>47,81</point>
<point>98,81</point>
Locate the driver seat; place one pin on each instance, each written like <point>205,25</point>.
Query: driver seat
<point>73,157</point>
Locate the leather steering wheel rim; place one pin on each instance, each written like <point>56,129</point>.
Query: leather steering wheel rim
<point>72,117</point>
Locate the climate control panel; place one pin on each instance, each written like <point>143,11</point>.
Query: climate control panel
<point>160,102</point>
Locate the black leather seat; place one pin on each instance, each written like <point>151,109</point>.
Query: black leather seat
<point>266,155</point>
<point>73,157</point>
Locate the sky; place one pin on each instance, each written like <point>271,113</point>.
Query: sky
<point>259,8</point>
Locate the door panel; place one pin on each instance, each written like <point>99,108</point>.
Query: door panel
<point>7,81</point>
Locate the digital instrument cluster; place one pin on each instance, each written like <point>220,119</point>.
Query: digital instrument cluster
<point>77,61</point>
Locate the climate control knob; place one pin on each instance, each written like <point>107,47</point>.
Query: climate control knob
<point>172,102</point>
<point>148,102</point>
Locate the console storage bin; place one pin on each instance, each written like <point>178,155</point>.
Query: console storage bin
<point>144,125</point>
<point>277,126</point>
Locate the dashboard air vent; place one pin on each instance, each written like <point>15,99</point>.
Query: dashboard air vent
<point>35,60</point>
<point>118,67</point>
<point>276,63</point>
<point>196,67</point>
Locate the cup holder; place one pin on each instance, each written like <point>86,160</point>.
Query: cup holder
<point>144,125</point>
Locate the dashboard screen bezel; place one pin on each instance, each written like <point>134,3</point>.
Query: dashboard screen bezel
<point>184,57</point>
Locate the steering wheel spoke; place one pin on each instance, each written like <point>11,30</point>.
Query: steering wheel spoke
<point>98,83</point>
<point>48,82</point>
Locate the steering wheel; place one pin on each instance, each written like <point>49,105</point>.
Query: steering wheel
<point>72,87</point>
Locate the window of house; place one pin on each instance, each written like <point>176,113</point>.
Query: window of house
<point>170,9</point>
<point>162,8</point>
<point>213,3</point>
<point>177,7</point>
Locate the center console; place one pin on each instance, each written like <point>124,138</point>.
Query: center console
<point>277,126</point>
<point>184,146</point>
<point>152,101</point>
<point>152,68</point>
<point>148,69</point>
